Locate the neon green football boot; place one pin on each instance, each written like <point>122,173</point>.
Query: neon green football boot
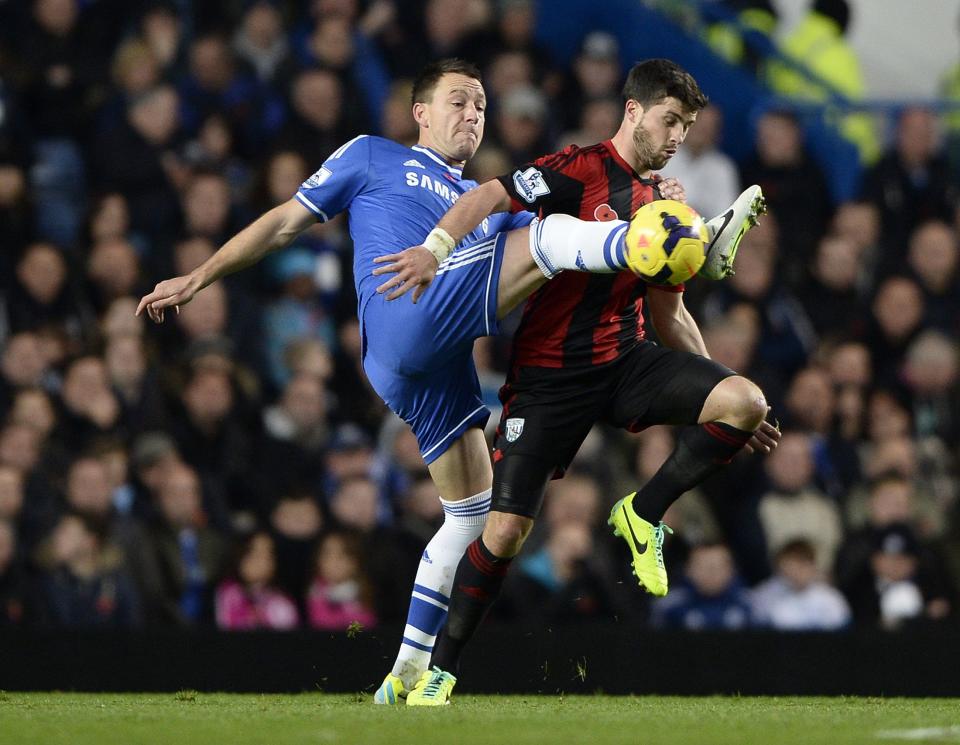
<point>646,545</point>
<point>433,689</point>
<point>391,690</point>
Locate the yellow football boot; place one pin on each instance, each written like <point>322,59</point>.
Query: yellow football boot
<point>646,545</point>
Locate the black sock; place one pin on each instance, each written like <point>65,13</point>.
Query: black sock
<point>476,585</point>
<point>701,450</point>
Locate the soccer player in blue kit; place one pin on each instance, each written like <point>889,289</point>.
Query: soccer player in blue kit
<point>419,359</point>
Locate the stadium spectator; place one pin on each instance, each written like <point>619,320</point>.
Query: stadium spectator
<point>135,384</point>
<point>818,44</point>
<point>83,583</point>
<point>248,598</point>
<point>859,221</point>
<point>190,554</point>
<point>90,408</point>
<point>296,313</point>
<point>216,83</point>
<point>22,365</point>
<point>562,581</point>
<point>794,186</point>
<point>109,219</point>
<point>113,272</point>
<point>830,295</point>
<point>930,372</point>
<point>213,437</point>
<point>140,159</point>
<point>296,433</point>
<point>42,295</point>
<point>709,597</point>
<point>163,31</point>
<point>508,71</point>
<point>521,124</point>
<point>64,78</point>
<point>335,44</point>
<point>795,508</point>
<point>896,586</point>
<point>933,258</point>
<point>261,42</point>
<point>911,183</point>
<point>296,522</point>
<point>896,314</point>
<point>596,73</point>
<point>315,127</point>
<point>797,598</point>
<point>340,595</point>
<point>355,506</point>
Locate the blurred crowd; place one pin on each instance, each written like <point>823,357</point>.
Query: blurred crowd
<point>232,467</point>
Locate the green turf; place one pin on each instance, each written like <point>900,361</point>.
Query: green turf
<point>206,719</point>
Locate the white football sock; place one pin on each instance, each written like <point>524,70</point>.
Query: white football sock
<point>559,242</point>
<point>462,525</point>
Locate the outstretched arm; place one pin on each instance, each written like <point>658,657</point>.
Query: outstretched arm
<point>272,230</point>
<point>414,268</point>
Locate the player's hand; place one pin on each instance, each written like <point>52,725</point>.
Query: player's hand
<point>670,188</point>
<point>413,269</point>
<point>765,439</point>
<point>176,292</point>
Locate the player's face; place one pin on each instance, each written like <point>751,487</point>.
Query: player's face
<point>452,121</point>
<point>660,130</point>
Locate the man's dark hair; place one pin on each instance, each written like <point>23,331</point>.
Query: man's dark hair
<point>653,80</point>
<point>430,75</point>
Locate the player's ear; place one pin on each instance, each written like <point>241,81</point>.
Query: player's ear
<point>420,114</point>
<point>633,111</point>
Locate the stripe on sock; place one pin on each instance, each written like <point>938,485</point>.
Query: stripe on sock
<point>608,246</point>
<point>419,636</point>
<point>726,436</point>
<point>426,615</point>
<point>432,594</point>
<point>416,645</point>
<point>483,564</point>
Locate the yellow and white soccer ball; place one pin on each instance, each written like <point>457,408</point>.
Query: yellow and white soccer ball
<point>666,242</point>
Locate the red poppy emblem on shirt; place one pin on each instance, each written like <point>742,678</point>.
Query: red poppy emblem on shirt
<point>604,213</point>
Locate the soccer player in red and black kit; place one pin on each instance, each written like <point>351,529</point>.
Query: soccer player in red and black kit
<point>580,356</point>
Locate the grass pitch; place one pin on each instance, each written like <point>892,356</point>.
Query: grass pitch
<point>189,718</point>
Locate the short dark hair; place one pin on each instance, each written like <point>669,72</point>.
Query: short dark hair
<point>430,75</point>
<point>798,548</point>
<point>653,80</point>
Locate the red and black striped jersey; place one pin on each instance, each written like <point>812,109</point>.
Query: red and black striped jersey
<point>579,319</point>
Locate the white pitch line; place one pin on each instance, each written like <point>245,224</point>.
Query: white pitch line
<point>921,733</point>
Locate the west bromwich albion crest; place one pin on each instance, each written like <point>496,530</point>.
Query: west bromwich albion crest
<point>514,429</point>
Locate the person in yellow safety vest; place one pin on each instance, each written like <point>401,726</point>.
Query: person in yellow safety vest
<point>727,40</point>
<point>818,44</point>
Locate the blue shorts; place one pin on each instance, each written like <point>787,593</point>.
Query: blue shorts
<point>419,358</point>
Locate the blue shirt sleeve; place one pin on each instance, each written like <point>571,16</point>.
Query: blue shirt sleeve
<point>338,181</point>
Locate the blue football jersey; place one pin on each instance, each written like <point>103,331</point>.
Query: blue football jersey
<point>394,196</point>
